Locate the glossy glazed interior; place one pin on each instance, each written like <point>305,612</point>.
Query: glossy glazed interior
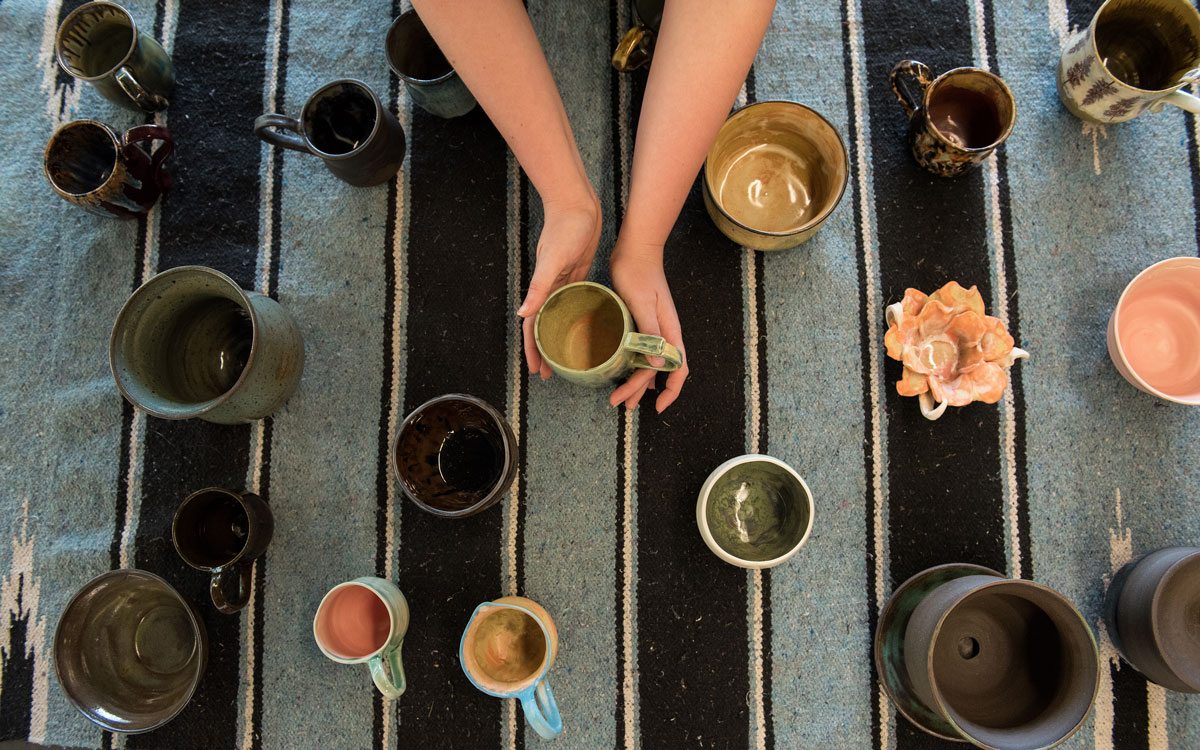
<point>81,157</point>
<point>757,511</point>
<point>1158,326</point>
<point>581,327</point>
<point>1148,44</point>
<point>971,109</point>
<point>340,118</point>
<point>412,53</point>
<point>211,529</point>
<point>95,40</point>
<point>352,622</point>
<point>505,649</point>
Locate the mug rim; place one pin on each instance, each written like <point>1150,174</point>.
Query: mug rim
<point>391,620</point>
<point>1116,324</point>
<point>203,407</point>
<point>251,523</point>
<point>1008,128</point>
<point>387,53</point>
<point>379,114</point>
<point>702,512</point>
<point>116,141</point>
<point>1091,33</point>
<point>527,684</point>
<point>58,50</point>
<point>817,220</point>
<point>537,337</point>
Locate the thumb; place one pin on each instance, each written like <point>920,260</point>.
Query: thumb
<point>540,288</point>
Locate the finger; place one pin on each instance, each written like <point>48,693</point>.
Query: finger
<point>545,370</point>
<point>533,358</point>
<point>673,387</point>
<point>633,400</point>
<point>545,280</point>
<point>635,385</point>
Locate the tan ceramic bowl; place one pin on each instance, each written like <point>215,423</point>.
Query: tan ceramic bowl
<point>774,174</point>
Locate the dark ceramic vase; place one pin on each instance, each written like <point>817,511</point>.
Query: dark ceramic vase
<point>1152,611</point>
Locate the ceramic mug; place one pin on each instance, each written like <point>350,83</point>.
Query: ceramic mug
<point>1134,56</point>
<point>363,622</point>
<point>506,650</point>
<point>90,166</point>
<point>637,46</point>
<point>344,123</point>
<point>223,533</point>
<point>430,80</point>
<point>191,343</point>
<point>585,333</point>
<point>955,120</point>
<point>99,43</point>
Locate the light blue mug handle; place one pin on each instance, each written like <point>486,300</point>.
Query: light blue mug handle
<point>392,687</point>
<point>541,710</point>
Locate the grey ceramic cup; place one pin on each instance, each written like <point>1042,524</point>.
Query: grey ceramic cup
<point>99,43</point>
<point>431,81</point>
<point>344,123</point>
<point>191,343</point>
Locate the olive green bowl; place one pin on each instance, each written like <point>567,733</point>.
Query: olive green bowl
<point>754,511</point>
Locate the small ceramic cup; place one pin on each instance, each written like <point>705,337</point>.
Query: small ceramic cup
<point>223,533</point>
<point>454,456</point>
<point>90,166</point>
<point>430,80</point>
<point>129,651</point>
<point>955,120</point>
<point>585,333</point>
<point>637,46</point>
<point>191,343</point>
<point>1135,56</point>
<point>754,511</point>
<point>1151,614</point>
<point>506,650</point>
<point>1154,331</point>
<point>344,123</point>
<point>99,43</point>
<point>774,174</point>
<point>363,622</point>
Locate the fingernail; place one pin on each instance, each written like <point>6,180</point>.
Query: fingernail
<point>657,361</point>
<point>523,310</point>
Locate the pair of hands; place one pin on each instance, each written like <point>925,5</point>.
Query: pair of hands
<point>564,255</point>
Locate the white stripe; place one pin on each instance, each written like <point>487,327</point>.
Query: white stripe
<point>1120,551</point>
<point>755,582</point>
<point>628,679</point>
<point>266,230</point>
<point>1156,710</point>
<point>1060,23</point>
<point>516,256</point>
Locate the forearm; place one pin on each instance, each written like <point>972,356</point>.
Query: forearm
<point>493,47</point>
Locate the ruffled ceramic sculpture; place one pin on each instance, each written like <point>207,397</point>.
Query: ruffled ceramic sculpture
<point>953,354</point>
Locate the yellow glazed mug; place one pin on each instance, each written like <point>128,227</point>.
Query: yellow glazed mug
<point>585,333</point>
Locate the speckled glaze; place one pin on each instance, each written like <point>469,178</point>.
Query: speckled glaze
<point>1152,613</point>
<point>774,174</point>
<point>209,525</point>
<point>636,48</point>
<point>137,76</point>
<point>506,650</point>
<point>1095,77</point>
<point>387,669</point>
<point>172,349</point>
<point>90,166</point>
<point>1005,664</point>
<point>754,511</point>
<point>129,651</point>
<point>373,160</point>
<point>431,82</point>
<point>585,333</point>
<point>416,454</point>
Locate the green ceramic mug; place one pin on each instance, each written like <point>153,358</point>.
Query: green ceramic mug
<point>585,333</point>
<point>100,43</point>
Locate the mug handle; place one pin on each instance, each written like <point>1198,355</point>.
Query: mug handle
<point>145,133</point>
<point>268,127</point>
<point>541,710</point>
<point>392,687</point>
<point>1180,99</point>
<point>643,345</point>
<point>634,50</point>
<point>221,578</point>
<point>909,81</point>
<point>138,93</point>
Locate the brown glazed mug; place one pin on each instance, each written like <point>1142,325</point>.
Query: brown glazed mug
<point>344,123</point>
<point>99,43</point>
<point>90,166</point>
<point>955,120</point>
<point>223,533</point>
<point>637,46</point>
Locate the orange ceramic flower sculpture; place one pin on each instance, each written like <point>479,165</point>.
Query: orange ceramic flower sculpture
<point>953,354</point>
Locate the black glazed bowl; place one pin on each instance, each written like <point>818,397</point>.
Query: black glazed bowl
<point>454,456</point>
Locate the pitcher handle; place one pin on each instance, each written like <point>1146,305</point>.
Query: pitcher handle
<point>392,687</point>
<point>1181,99</point>
<point>143,99</point>
<point>643,345</point>
<point>142,133</point>
<point>221,577</point>
<point>541,710</point>
<point>910,78</point>
<point>269,127</point>
<point>634,50</point>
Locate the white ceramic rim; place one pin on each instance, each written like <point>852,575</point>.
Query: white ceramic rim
<point>702,507</point>
<point>1116,321</point>
<point>358,659</point>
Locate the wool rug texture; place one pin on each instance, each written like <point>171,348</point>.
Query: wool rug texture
<point>407,290</point>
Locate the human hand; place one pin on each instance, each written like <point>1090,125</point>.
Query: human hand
<point>637,276</point>
<point>565,250</point>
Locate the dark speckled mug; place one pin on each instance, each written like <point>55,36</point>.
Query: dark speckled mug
<point>191,343</point>
<point>90,166</point>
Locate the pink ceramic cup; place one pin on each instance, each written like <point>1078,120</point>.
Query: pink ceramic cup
<point>1154,332</point>
<point>363,622</point>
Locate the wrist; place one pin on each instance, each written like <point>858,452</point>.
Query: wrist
<point>636,252</point>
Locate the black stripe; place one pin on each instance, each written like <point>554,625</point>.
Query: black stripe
<point>209,218</point>
<point>459,312</point>
<point>527,251</point>
<point>1193,152</point>
<point>1131,715</point>
<point>1080,13</point>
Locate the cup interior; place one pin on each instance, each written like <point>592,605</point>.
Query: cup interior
<point>505,649</point>
<point>95,40</point>
<point>580,327</point>
<point>81,157</point>
<point>353,622</point>
<point>758,511</point>
<point>1158,328</point>
<point>412,53</point>
<point>340,118</point>
<point>1148,46</point>
<point>776,167</point>
<point>211,529</point>
<point>1176,619</point>
<point>972,109</point>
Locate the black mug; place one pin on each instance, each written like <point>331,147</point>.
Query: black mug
<point>223,533</point>
<point>637,46</point>
<point>430,80</point>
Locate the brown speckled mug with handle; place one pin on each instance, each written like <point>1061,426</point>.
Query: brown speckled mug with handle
<point>106,174</point>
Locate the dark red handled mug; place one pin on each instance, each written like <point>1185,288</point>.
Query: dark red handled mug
<point>223,533</point>
<point>89,165</point>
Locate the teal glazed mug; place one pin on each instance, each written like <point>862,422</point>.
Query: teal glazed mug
<point>106,174</point>
<point>585,333</point>
<point>506,650</point>
<point>191,343</point>
<point>99,43</point>
<point>363,622</point>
